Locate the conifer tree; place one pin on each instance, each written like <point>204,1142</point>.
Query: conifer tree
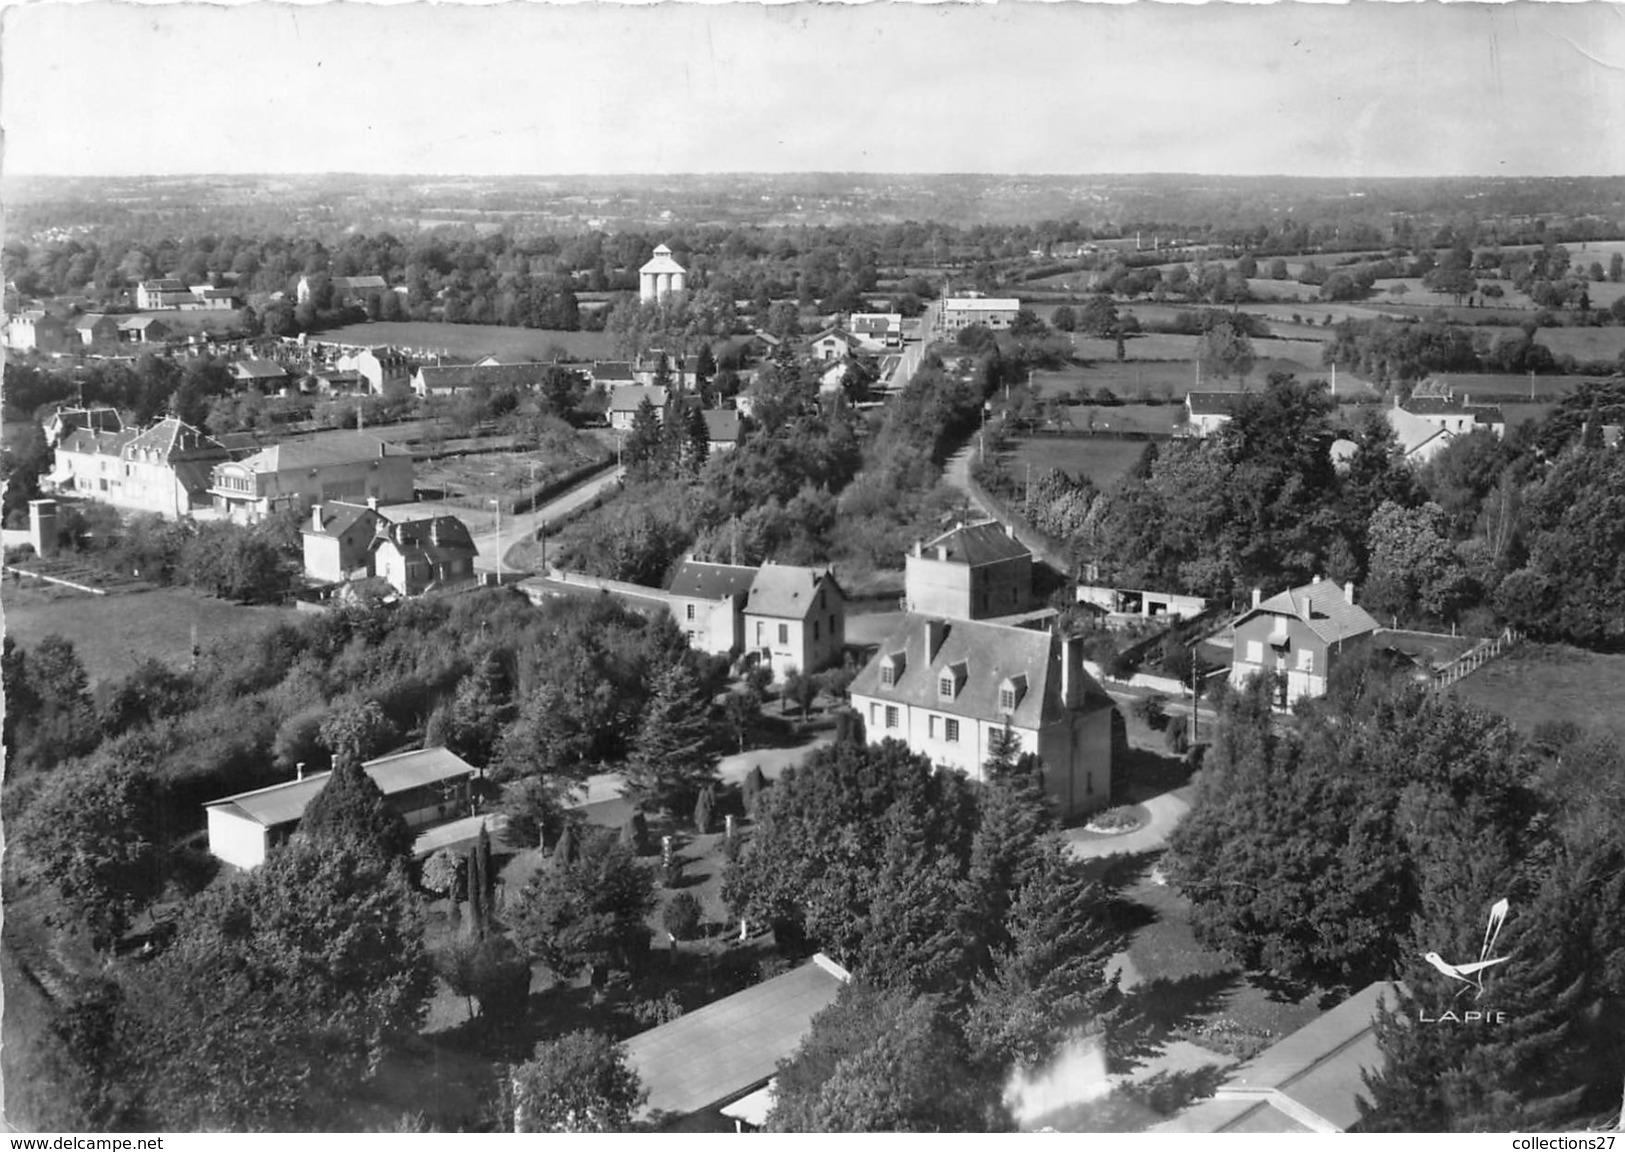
<point>672,758</point>
<point>350,810</point>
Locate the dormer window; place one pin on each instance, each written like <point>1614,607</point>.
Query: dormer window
<point>1011,690</point>
<point>945,686</point>
<point>951,679</point>
<point>891,669</point>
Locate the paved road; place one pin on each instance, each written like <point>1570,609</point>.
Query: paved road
<point>516,529</point>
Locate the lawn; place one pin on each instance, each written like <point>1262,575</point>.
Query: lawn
<point>1505,384</point>
<point>475,340</point>
<point>1166,379</point>
<point>1584,343</point>
<point>1145,346</point>
<point>477,479</point>
<point>1535,683</point>
<point>1100,459</point>
<point>113,633</point>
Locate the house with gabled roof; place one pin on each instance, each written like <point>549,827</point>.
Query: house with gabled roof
<point>97,328</point>
<point>722,429</point>
<point>625,400</point>
<point>449,379</point>
<point>833,344</point>
<point>261,372</point>
<point>143,330</point>
<point>1207,412</point>
<point>1299,635</point>
<point>877,330</point>
<point>970,572</point>
<point>427,787</point>
<point>36,330</point>
<point>351,466</point>
<point>68,419</point>
<point>153,295</point>
<point>162,469</point>
<point>708,601</point>
<point>1424,426</point>
<point>950,688</point>
<point>425,555</point>
<point>795,618</point>
<point>338,539</point>
<point>612,373</point>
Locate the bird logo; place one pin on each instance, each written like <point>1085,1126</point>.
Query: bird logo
<point>1472,975</point>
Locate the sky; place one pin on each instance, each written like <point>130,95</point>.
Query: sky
<point>1365,89</point>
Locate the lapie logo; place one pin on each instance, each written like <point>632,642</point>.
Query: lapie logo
<point>1471,974</point>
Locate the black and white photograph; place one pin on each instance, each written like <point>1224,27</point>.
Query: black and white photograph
<point>743,567</point>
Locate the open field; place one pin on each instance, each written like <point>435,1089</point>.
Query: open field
<point>1145,346</point>
<point>501,474</point>
<point>1538,682</point>
<point>1546,388</point>
<point>1584,343</point>
<point>475,340</point>
<point>1127,380</point>
<point>1104,461</point>
<point>114,633</point>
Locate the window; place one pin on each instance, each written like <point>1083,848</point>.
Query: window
<point>888,675</point>
<point>931,727</point>
<point>950,730</point>
<point>891,716</point>
<point>759,627</point>
<point>690,611</point>
<point>1007,699</point>
<point>945,686</point>
<point>784,633</point>
<point>1255,651</point>
<point>1306,660</point>
<point>815,631</point>
<point>874,715</point>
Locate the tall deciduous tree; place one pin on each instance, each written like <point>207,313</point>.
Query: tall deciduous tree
<point>350,811</point>
<point>589,910</point>
<point>580,1082</point>
<point>281,993</point>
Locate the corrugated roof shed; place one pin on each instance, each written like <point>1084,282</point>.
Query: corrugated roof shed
<point>732,1045</point>
<point>286,802</point>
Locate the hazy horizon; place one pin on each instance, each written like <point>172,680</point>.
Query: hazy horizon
<point>1355,91</point>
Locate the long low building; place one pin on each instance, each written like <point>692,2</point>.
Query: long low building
<point>701,1062</point>
<point>427,787</point>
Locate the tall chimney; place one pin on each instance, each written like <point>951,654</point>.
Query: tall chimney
<point>300,769</point>
<point>1258,597</point>
<point>1068,681</point>
<point>1308,607</point>
<point>1348,593</point>
<point>315,517</point>
<point>919,547</point>
<point>372,503</point>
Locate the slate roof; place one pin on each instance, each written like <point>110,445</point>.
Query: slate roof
<point>978,544</point>
<point>286,802</point>
<point>1308,1082</point>
<point>662,262</point>
<point>846,338</point>
<point>877,323</point>
<point>322,449</point>
<point>629,397</point>
<point>171,435</point>
<point>435,538</point>
<point>608,371</point>
<point>355,283</point>
<point>1212,403</point>
<point>721,424</point>
<point>701,580</point>
<point>167,284</point>
<point>732,1045</point>
<point>338,518</point>
<point>468,375</point>
<point>990,654</point>
<point>253,369</point>
<point>1334,617</point>
<point>91,442</point>
<point>786,591</point>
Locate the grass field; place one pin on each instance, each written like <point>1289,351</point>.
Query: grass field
<point>1538,682</point>
<point>1127,380</point>
<point>1145,346</point>
<point>1584,343</point>
<point>501,474</point>
<point>1546,388</point>
<point>475,340</point>
<point>1100,459</point>
<point>113,633</point>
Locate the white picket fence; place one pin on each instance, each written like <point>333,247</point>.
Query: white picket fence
<point>1474,659</point>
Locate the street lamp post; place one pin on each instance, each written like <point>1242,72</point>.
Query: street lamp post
<point>498,502</point>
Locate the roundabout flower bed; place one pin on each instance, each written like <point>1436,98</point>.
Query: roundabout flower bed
<point>1116,821</point>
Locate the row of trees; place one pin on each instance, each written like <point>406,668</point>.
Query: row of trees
<point>1380,828</point>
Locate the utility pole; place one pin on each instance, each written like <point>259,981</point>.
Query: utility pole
<point>498,502</point>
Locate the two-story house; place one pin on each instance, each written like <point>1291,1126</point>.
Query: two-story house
<point>418,556</point>
<point>350,466</point>
<point>1300,634</point>
<point>36,330</point>
<point>972,572</point>
<point>153,295</point>
<point>1207,412</point>
<point>163,469</point>
<point>708,601</point>
<point>625,400</point>
<point>795,618</point>
<point>1424,426</point>
<point>950,688</point>
<point>338,540</point>
<point>382,368</point>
